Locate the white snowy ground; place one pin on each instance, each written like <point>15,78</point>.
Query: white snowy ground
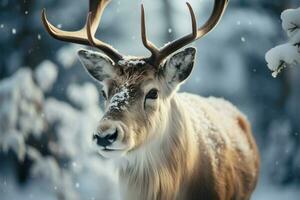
<point>39,189</point>
<point>36,189</point>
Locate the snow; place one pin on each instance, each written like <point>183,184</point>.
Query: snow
<point>120,99</point>
<point>69,129</point>
<point>281,56</point>
<point>37,190</point>
<point>20,100</point>
<point>20,103</point>
<point>48,168</point>
<point>287,54</point>
<point>83,95</point>
<point>291,23</point>
<point>25,110</point>
<point>66,55</point>
<point>131,61</point>
<point>46,74</point>
<point>14,141</point>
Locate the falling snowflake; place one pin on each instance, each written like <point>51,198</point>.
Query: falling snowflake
<point>14,31</point>
<point>74,164</point>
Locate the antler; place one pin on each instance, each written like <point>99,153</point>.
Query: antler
<point>86,35</point>
<point>157,55</point>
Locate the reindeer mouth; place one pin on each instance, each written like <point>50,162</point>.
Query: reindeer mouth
<point>111,153</point>
<point>107,149</point>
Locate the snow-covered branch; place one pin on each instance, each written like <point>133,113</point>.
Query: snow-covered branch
<point>63,128</point>
<point>287,54</point>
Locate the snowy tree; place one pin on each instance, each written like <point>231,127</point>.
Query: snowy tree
<point>287,54</point>
<point>282,139</point>
<point>54,135</point>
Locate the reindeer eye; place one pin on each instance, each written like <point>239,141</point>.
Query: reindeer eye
<point>152,94</point>
<point>104,95</point>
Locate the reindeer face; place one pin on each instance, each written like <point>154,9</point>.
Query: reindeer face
<point>138,89</point>
<point>135,94</point>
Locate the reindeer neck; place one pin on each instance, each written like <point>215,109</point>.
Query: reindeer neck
<point>157,170</point>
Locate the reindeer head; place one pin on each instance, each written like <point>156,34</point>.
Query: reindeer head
<point>137,90</point>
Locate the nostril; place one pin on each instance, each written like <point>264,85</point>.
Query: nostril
<point>95,137</point>
<point>107,140</point>
<point>113,137</point>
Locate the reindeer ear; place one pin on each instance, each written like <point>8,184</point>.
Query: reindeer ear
<point>179,66</point>
<point>98,65</point>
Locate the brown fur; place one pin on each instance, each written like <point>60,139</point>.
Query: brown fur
<point>175,170</point>
<point>180,146</point>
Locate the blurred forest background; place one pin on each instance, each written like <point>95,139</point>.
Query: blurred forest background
<point>49,106</point>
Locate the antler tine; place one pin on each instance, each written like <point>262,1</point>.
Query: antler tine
<point>218,11</point>
<point>177,44</point>
<point>85,36</point>
<point>66,36</point>
<point>96,12</point>
<point>219,8</point>
<point>149,45</point>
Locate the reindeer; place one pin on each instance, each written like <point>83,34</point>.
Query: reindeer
<point>166,145</point>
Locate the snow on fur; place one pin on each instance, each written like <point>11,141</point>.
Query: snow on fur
<point>120,99</point>
<point>131,61</point>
